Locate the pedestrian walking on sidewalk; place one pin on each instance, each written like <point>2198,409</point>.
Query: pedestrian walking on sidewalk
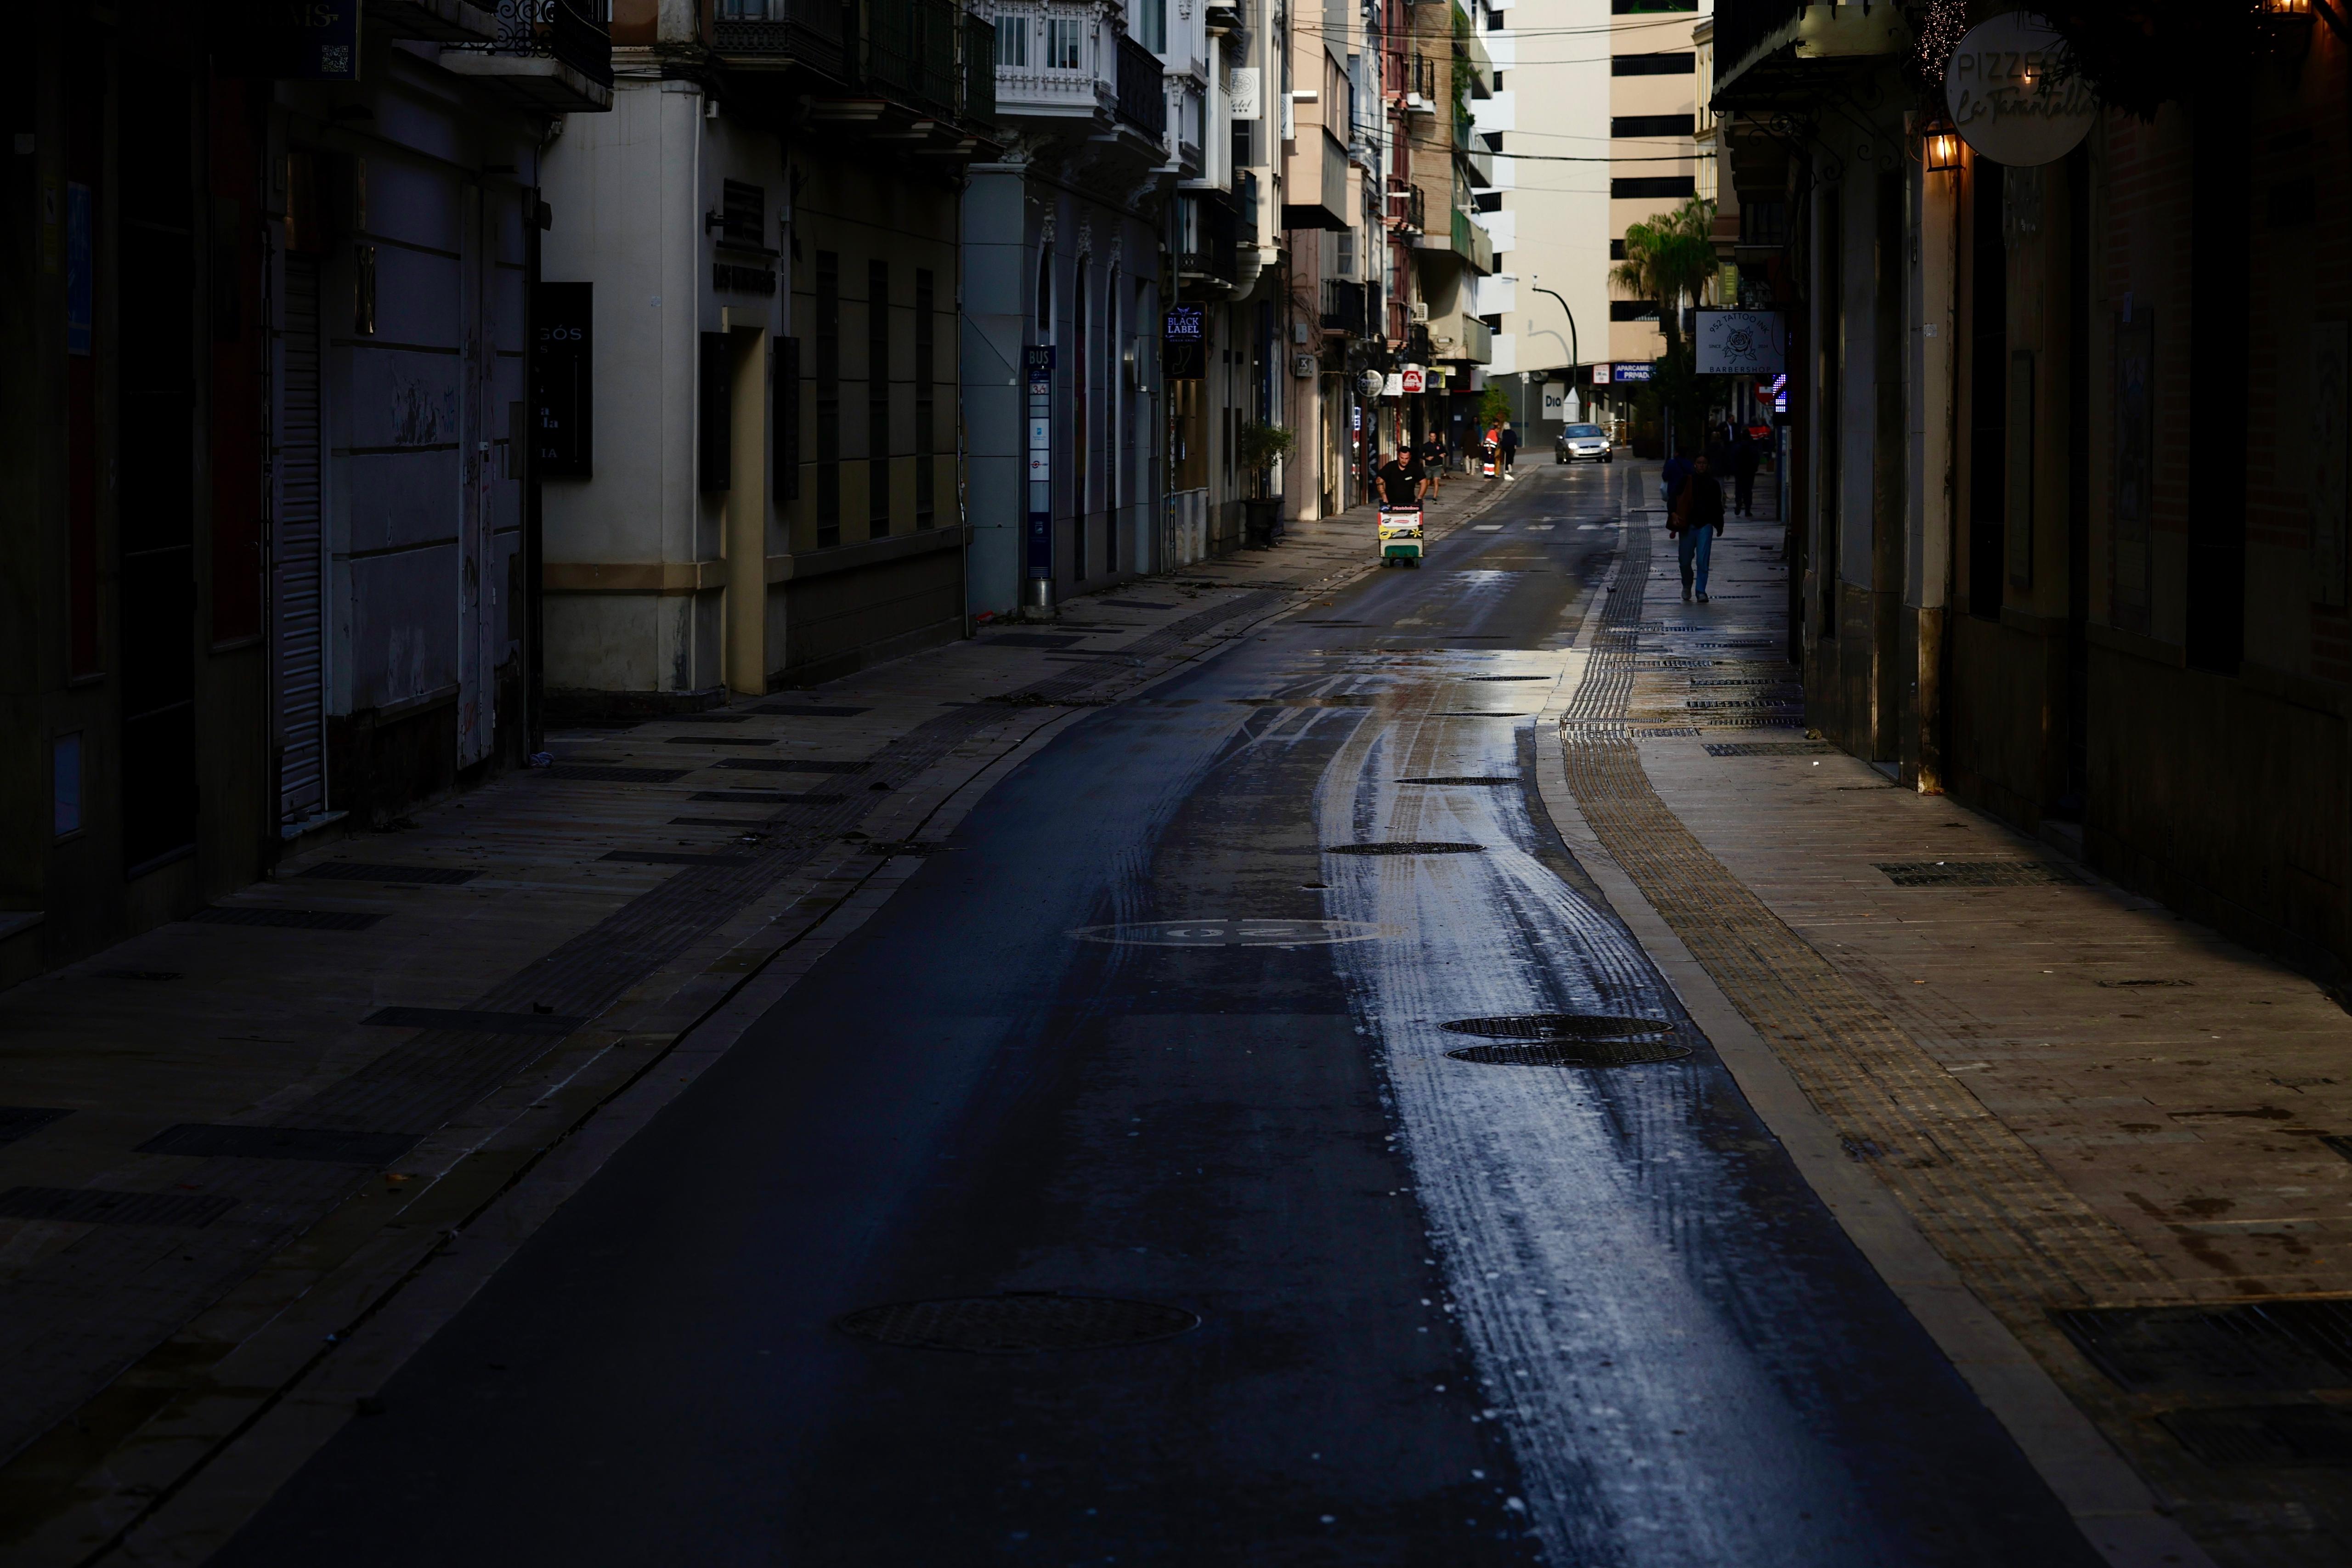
<point>1745,460</point>
<point>1508,443</point>
<point>1432,460</point>
<point>1695,519</point>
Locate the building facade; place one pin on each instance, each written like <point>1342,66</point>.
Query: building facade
<point>2034,568</point>
<point>271,342</point>
<point>768,244</point>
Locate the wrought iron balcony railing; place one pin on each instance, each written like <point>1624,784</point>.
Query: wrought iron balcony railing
<point>561,30</point>
<point>912,47</point>
<point>810,32</point>
<point>1142,90</point>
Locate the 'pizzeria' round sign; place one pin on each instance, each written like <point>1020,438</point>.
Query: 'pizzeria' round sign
<point>2010,96</point>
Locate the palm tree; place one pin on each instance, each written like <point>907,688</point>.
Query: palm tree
<point>1671,255</point>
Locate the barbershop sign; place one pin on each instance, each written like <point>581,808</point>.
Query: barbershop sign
<point>2012,94</point>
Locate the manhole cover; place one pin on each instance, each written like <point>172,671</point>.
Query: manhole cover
<point>1556,1026</point>
<point>1404,847</point>
<point>1464,779</point>
<point>1571,1053</point>
<point>1018,1324</point>
<point>1974,873</point>
<point>1216,932</point>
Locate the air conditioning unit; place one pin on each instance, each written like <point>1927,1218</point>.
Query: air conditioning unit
<point>1420,310</point>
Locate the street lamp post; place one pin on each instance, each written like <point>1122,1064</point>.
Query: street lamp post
<point>1575,355</point>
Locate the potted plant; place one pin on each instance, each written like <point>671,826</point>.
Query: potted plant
<point>1261,446</point>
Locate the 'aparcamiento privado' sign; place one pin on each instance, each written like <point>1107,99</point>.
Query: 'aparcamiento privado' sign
<point>2012,95</point>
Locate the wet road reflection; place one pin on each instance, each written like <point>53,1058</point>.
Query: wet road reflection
<point>1170,1029</point>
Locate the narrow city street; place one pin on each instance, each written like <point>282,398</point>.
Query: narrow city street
<point>1229,1006</point>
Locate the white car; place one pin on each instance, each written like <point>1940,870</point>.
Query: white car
<point>1583,443</point>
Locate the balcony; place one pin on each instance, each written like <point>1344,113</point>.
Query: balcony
<point>549,57</point>
<point>1206,246</point>
<point>1464,237</point>
<point>1343,307</point>
<point>1068,68</point>
<point>910,51</point>
<point>1769,53</point>
<point>1409,209</point>
<point>1142,90</point>
<point>777,35</point>
<point>978,69</point>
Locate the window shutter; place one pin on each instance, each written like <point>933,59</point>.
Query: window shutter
<point>717,410</point>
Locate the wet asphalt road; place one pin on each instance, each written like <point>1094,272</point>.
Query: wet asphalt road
<point>1451,1313</point>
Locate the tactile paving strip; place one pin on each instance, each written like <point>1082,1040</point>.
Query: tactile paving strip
<point>1981,1194</point>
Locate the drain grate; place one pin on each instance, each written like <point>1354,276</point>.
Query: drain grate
<point>291,919</point>
<point>613,772</point>
<point>1464,779</point>
<point>328,1145</point>
<point>905,847</point>
<point>1572,1054</point>
<point>718,740</point>
<point>1974,873</point>
<point>473,1021</point>
<point>1018,1324</point>
<point>1476,713</point>
<point>100,1205</point>
<point>1556,1026</point>
<point>1732,704</point>
<point>2279,1435</point>
<point>363,872</point>
<point>2135,982</point>
<point>151,975</point>
<point>764,797</point>
<point>811,710</point>
<point>791,765</point>
<point>23,1120</point>
<point>1136,604</point>
<point>1503,678</point>
<point>1405,847</point>
<point>2272,1347</point>
<point>1030,639</point>
<point>672,858</point>
<point>1769,749</point>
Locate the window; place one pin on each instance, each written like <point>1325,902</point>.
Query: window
<point>1013,39</point>
<point>743,214</point>
<point>65,792</point>
<point>1632,309</point>
<point>718,412</point>
<point>878,398</point>
<point>828,399</point>
<point>1155,25</point>
<point>1063,40</point>
<point>926,372</point>
<point>1654,65</point>
<point>1046,295</point>
<point>1651,124</point>
<point>1616,250</point>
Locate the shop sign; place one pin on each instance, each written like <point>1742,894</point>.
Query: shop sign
<point>1742,342</point>
<point>1601,375</point>
<point>1412,381</point>
<point>2012,94</point>
<point>1636,372</point>
<point>1555,400</point>
<point>1393,385</point>
<point>1185,324</point>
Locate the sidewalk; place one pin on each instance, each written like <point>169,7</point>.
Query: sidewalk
<point>241,1136</point>
<point>2124,1136</point>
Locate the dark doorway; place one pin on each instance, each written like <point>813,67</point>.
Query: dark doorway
<point>1988,388</point>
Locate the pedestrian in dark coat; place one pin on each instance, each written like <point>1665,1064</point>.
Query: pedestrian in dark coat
<point>1694,522</point>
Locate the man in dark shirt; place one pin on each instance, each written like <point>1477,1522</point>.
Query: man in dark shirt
<point>1403,480</point>
<point>1695,521</point>
<point>1509,442</point>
